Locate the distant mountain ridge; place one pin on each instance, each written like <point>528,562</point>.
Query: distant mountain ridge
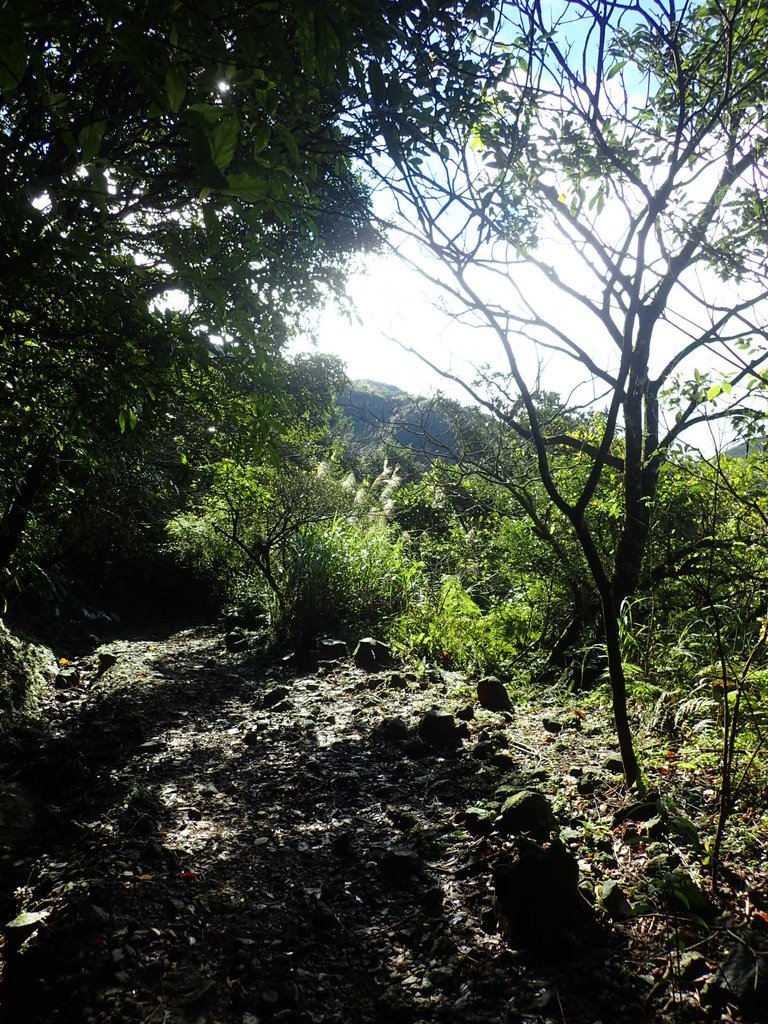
<point>383,412</point>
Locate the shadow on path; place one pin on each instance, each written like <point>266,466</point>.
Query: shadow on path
<point>204,856</point>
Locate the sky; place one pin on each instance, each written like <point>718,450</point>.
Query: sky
<point>395,309</point>
<point>395,304</point>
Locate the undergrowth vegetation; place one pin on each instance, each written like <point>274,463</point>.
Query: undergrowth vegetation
<point>479,575</point>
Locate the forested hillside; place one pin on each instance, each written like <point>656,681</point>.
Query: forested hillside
<point>322,701</point>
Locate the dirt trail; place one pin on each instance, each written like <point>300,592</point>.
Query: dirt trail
<point>212,847</point>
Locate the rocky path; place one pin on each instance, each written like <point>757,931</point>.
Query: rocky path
<point>213,839</point>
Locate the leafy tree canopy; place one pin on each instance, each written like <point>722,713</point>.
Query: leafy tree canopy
<point>177,190</point>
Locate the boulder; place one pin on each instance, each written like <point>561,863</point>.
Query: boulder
<point>67,678</point>
<point>105,660</point>
<point>478,821</point>
<point>614,764</point>
<point>399,862</point>
<point>492,694</point>
<point>329,649</point>
<point>235,641</point>
<point>537,898</point>
<point>372,655</point>
<point>251,737</point>
<point>439,729</point>
<point>415,748</point>
<point>397,681</point>
<point>553,725</point>
<point>527,811</point>
<point>391,730</point>
<point>274,696</point>
<point>589,782</point>
<point>26,673</point>
<point>691,965</point>
<point>504,760</point>
<point>742,981</point>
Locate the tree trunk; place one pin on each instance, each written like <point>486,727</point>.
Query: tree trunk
<point>16,516</point>
<point>619,691</point>
<point>610,611</point>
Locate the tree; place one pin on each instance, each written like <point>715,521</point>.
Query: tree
<point>177,190</point>
<point>606,209</point>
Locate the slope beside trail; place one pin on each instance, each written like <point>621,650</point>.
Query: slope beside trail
<point>218,839</point>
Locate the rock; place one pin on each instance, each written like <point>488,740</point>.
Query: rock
<point>375,681</point>
<point>466,714</point>
<point>67,679</point>
<point>372,655</point>
<point>391,730</point>
<point>331,650</point>
<point>105,660</point>
<point>415,748</point>
<point>690,966</point>
<point>439,729</point>
<point>527,811</point>
<point>743,981</point>
<point>399,862</point>
<point>589,782</point>
<point>504,760</point>
<point>235,641</point>
<point>152,746</point>
<point>613,900</point>
<point>537,899</point>
<point>553,725</point>
<point>26,672</point>
<point>274,696</point>
<point>492,694</point>
<point>556,723</point>
<point>478,821</point>
<point>614,764</point>
<point>28,921</point>
<point>506,790</point>
<point>251,737</point>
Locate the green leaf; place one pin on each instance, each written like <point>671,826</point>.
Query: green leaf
<point>247,186</point>
<point>376,84</point>
<point>223,142</point>
<point>89,140</point>
<point>713,392</point>
<point>205,111</point>
<point>261,137</point>
<point>28,919</point>
<point>211,222</point>
<point>13,63</point>
<point>175,87</point>
<point>290,144</point>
